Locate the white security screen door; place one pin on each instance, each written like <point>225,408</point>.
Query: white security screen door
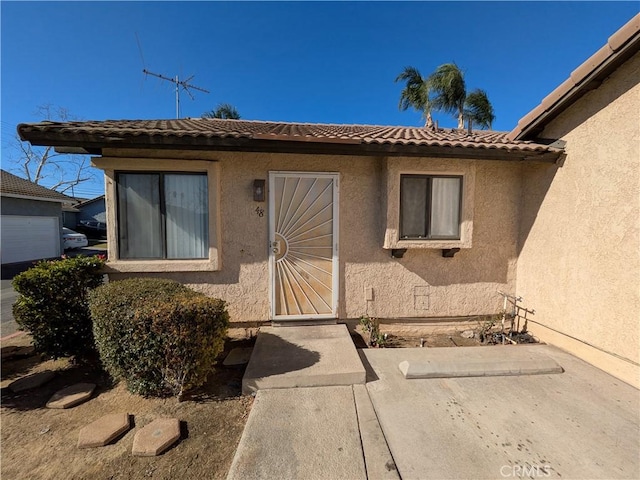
<point>303,245</point>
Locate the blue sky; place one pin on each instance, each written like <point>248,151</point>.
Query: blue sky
<point>332,62</point>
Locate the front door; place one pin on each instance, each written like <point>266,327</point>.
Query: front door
<point>303,245</point>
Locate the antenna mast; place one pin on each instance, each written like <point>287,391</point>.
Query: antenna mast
<point>178,83</point>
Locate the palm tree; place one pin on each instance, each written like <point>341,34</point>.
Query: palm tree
<point>450,91</point>
<point>478,109</point>
<point>445,90</point>
<point>416,93</point>
<point>450,95</point>
<point>223,110</point>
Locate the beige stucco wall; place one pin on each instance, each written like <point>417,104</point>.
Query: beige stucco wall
<point>422,284</point>
<point>579,264</point>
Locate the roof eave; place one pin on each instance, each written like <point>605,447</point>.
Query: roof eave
<point>95,143</point>
<point>34,197</point>
<point>620,47</point>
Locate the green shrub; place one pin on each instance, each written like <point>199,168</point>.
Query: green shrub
<point>52,305</point>
<point>161,337</point>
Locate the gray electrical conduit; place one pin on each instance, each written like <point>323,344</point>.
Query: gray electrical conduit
<point>587,343</point>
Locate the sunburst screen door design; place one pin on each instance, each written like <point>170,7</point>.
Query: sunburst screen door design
<point>303,245</point>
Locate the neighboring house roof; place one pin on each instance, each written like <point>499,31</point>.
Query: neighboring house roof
<point>84,203</point>
<point>621,46</point>
<point>13,186</point>
<point>261,136</point>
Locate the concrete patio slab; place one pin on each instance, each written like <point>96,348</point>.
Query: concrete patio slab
<point>104,430</point>
<point>478,361</point>
<point>71,396</point>
<point>31,381</point>
<point>581,424</point>
<point>156,438</point>
<point>303,356</point>
<point>238,356</point>
<point>301,433</point>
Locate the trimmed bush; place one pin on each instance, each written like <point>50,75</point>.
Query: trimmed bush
<point>53,305</point>
<point>161,337</point>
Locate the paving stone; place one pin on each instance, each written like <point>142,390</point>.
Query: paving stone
<point>104,430</point>
<point>156,437</point>
<point>238,356</point>
<point>31,381</point>
<point>71,396</point>
<point>15,351</point>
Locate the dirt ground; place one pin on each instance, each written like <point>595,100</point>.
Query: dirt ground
<point>402,337</point>
<point>399,340</point>
<point>40,443</point>
<point>453,339</point>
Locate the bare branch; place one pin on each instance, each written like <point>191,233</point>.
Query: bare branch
<point>68,184</point>
<point>38,164</point>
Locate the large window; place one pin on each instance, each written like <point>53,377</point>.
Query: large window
<point>430,207</point>
<point>162,216</point>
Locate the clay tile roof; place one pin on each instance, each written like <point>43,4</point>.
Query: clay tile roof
<point>619,48</point>
<point>10,185</point>
<point>261,135</point>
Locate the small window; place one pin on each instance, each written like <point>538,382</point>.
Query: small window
<point>162,216</point>
<point>430,207</point>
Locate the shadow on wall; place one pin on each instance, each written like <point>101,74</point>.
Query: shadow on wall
<point>537,180</point>
<point>605,94</point>
<point>463,268</point>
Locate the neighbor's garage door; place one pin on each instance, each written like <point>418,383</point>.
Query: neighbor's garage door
<point>29,238</point>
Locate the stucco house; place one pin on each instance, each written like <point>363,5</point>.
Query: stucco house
<point>317,222</point>
<point>92,217</point>
<point>579,246</point>
<point>31,220</point>
<point>93,210</point>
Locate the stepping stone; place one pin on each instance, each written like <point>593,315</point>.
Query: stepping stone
<point>31,381</point>
<point>71,396</point>
<point>14,351</point>
<point>104,430</point>
<point>156,437</point>
<point>238,356</point>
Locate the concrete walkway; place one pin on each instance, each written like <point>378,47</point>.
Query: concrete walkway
<point>8,296</point>
<point>581,423</point>
<point>313,433</point>
<point>306,433</point>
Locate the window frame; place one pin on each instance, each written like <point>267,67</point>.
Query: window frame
<point>130,161</point>
<point>393,167</point>
<point>429,207</point>
<point>163,211</point>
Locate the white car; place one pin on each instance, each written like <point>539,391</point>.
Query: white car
<point>71,239</point>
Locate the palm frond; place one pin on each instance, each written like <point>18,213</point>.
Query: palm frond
<point>223,110</point>
<point>478,108</point>
<point>411,75</point>
<point>448,85</point>
<point>416,92</point>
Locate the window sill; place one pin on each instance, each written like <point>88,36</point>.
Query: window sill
<point>160,266</point>
<point>426,244</point>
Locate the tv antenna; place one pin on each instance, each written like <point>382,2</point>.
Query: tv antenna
<point>178,83</point>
